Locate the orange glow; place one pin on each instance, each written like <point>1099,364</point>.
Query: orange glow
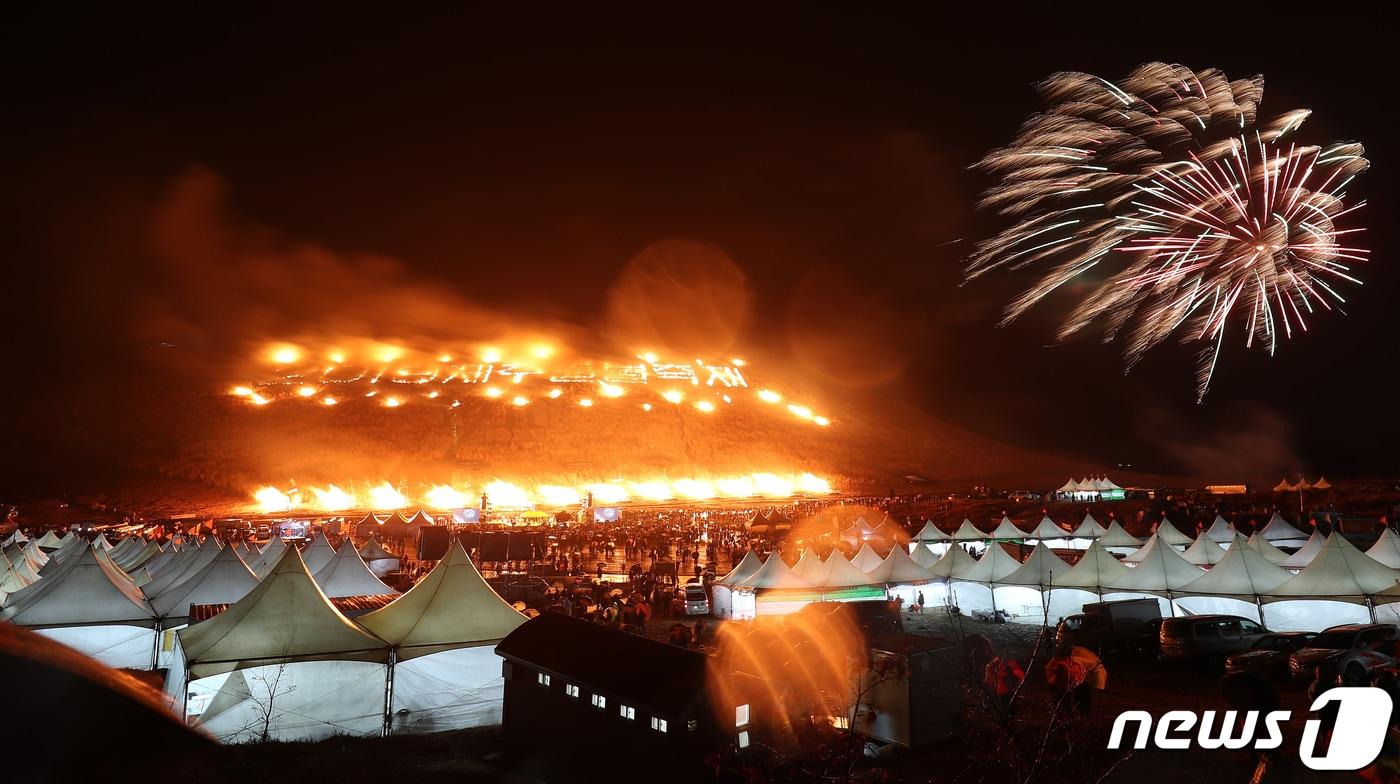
<point>328,401</point>
<point>705,406</point>
<point>555,495</point>
<point>542,351</point>
<point>652,491</point>
<point>821,420</point>
<point>607,493</point>
<point>673,396</point>
<point>444,358</point>
<point>520,400</point>
<point>271,500</point>
<point>802,412</point>
<point>444,497</point>
<point>392,402</point>
<point>648,357</point>
<point>697,489</point>
<point>811,483</point>
<point>505,495</point>
<point>769,396</point>
<point>388,353</point>
<point>333,499</point>
<point>737,487</point>
<point>306,391</point>
<point>586,402</point>
<point>555,393</point>
<point>646,406</point>
<point>609,390</point>
<point>493,392</point>
<point>284,354</point>
<point>258,400</point>
<point>338,357</point>
<point>385,497</point>
<point>771,485</point>
<point>433,395</point>
<point>491,355</point>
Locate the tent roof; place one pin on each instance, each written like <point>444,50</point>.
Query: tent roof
<point>931,533</point>
<point>1279,530</point>
<point>372,550</point>
<point>837,572</point>
<point>1068,487</point>
<point>91,591</point>
<point>774,573</point>
<point>1220,531</point>
<point>967,532</point>
<point>285,618</point>
<point>268,558</point>
<point>347,575</point>
<point>1306,553</point>
<point>995,564</point>
<point>16,537</point>
<point>1007,530</point>
<point>1204,552</point>
<point>1089,528</point>
<point>1161,569</point>
<point>49,539</point>
<point>1322,484</point>
<point>749,564</point>
<point>866,558</point>
<point>1047,529</point>
<point>924,557</point>
<point>1338,570</point>
<point>890,531</point>
<point>1096,567</point>
<point>224,580</point>
<point>1386,550</point>
<point>899,568</point>
<point>1042,567</point>
<point>954,563</point>
<point>318,553</point>
<point>1116,536</point>
<point>1265,548</point>
<point>421,517</point>
<point>181,567</point>
<point>809,565</point>
<point>1170,534</point>
<point>1243,572</point>
<point>451,607</point>
<point>1107,484</point>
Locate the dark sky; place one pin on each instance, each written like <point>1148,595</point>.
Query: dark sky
<point>521,161</point>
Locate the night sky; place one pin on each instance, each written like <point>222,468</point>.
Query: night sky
<point>519,162</point>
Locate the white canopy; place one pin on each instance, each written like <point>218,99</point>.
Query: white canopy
<point>932,533</point>
<point>1306,553</point>
<point>967,532</point>
<point>837,572</point>
<point>1089,528</point>
<point>1220,531</point>
<point>16,537</point>
<point>50,540</point>
<point>1280,532</point>
<point>224,580</point>
<point>1105,483</point>
<point>749,564</point>
<point>1266,549</point>
<point>1042,568</point>
<point>774,573</point>
<point>1339,570</point>
<point>1068,487</point>
<point>1046,529</point>
<point>1386,550</point>
<point>994,565</point>
<point>372,550</point>
<point>285,619</point>
<point>271,554</point>
<point>866,558</point>
<point>318,553</point>
<point>1204,552</point>
<point>899,568</point>
<point>451,607</point>
<point>347,575</point>
<point>809,565</point>
<point>1160,569</point>
<point>1243,573</point>
<point>1170,534</point>
<point>1115,536</point>
<point>955,563</point>
<point>1096,568</point>
<point>90,591</point>
<point>924,557</point>
<point>1007,530</point>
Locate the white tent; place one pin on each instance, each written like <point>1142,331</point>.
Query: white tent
<point>1233,586</point>
<point>955,563</point>
<point>772,575</point>
<point>932,533</point>
<point>837,572</point>
<point>1283,486</point>
<point>772,590</point>
<point>347,575</point>
<point>722,590</point>
<point>1386,550</point>
<point>1023,592</point>
<point>1220,532</point>
<point>1117,540</point>
<point>1204,552</point>
<point>809,566</point>
<point>1306,553</point>
<point>1050,533</point>
<point>1007,530</point>
<point>974,589</point>
<point>268,558</point>
<point>1262,546</point>
<point>381,562</point>
<point>967,532</point>
<point>187,563</point>
<point>1089,528</point>
<point>443,631</point>
<point>925,557</point>
<point>16,537</point>
<point>49,540</point>
<point>1170,534</point>
<point>318,553</point>
<point>313,670</point>
<point>866,558</point>
<point>1160,572</point>
<point>1282,534</point>
<point>899,569</point>
<point>1083,582</point>
<point>1105,484</point>
<point>1069,487</point>
<point>224,580</point>
<point>1331,590</point>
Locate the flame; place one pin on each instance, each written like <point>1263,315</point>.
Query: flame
<point>258,400</point>
<point>555,393</point>
<point>392,402</point>
<point>493,392</point>
<point>652,491</point>
<point>646,406</point>
<point>328,401</point>
<point>505,495</point>
<point>271,500</point>
<point>586,402</point>
<point>821,421</point>
<point>283,354</point>
<point>769,396</point>
<point>771,485</point>
<point>333,499</point>
<point>306,391</point>
<point>607,493</point>
<point>542,351</point>
<point>444,497</point>
<point>737,487</point>
<point>491,355</point>
<point>242,391</point>
<point>338,357</point>
<point>388,353</point>
<point>673,396</point>
<point>520,400</point>
<point>811,483</point>
<point>705,406</point>
<point>801,412</point>
<point>697,489</point>
<point>609,390</point>
<point>556,495</point>
<point>385,497</point>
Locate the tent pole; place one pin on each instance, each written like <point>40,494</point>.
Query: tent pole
<point>155,646</point>
<point>1371,607</point>
<point>1259,603</point>
<point>185,697</point>
<point>389,693</point>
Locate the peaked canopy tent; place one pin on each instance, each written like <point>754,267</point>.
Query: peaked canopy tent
<point>1160,572</point>
<point>809,565</point>
<point>262,565</point>
<point>318,553</point>
<point>973,589</point>
<point>1322,484</point>
<point>1171,535</point>
<point>838,574</point>
<point>1069,488</point>
<point>319,673</point>
<point>16,537</point>
<point>1084,582</point>
<point>1386,550</point>
<point>1023,593</point>
<point>1007,531</point>
<point>380,561</point>
<point>1204,552</point>
<point>1337,587</point>
<point>1234,585</point>
<point>92,607</point>
<point>866,559</point>
<point>1282,534</point>
<point>1220,532</point>
<point>722,590</point>
<point>773,589</point>
<point>1049,532</point>
<point>932,539</point>
<point>1087,531</point>
<point>1117,540</point>
<point>445,673</point>
<point>346,574</point>
<point>1306,553</point>
<point>925,557</point>
<point>903,578</point>
<point>224,580</point>
<point>1284,486</point>
<point>967,532</point>
<point>1262,546</point>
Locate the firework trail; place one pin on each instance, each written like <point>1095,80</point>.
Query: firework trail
<point>1191,212</point>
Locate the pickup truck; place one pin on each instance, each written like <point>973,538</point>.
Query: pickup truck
<point>1111,626</point>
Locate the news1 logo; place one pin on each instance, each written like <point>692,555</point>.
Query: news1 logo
<point>1363,716</point>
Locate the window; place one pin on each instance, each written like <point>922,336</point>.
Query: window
<point>627,712</point>
<point>1250,627</point>
<point>744,739</point>
<point>543,679</point>
<point>658,724</point>
<point>571,690</point>
<point>599,701</point>
<point>741,715</point>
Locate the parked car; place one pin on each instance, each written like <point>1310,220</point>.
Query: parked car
<point>1208,636</point>
<point>1146,639</point>
<point>1333,642</point>
<point>1268,658</point>
<point>697,600</point>
<point>1105,626</point>
<point>1358,664</point>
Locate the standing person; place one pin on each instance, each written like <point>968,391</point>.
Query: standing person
<point>1003,677</point>
<point>920,603</point>
<point>643,614</point>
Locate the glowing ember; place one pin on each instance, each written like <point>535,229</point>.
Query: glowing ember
<point>738,487</point>
<point>306,391</point>
<point>284,354</point>
<point>646,406</point>
<point>555,393</point>
<point>607,493</point>
<point>771,485</point>
<point>652,491</point>
<point>810,483</point>
<point>491,355</point>
<point>586,403</point>
<point>493,392</point>
<point>242,391</point>
<point>444,497</point>
<point>695,489</point>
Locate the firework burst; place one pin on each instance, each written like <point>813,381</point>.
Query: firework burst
<point>1178,209</point>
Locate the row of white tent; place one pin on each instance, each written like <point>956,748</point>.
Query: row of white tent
<point>83,595</point>
<point>1277,531</point>
<point>1089,484</point>
<point>1284,486</point>
<point>1327,582</point>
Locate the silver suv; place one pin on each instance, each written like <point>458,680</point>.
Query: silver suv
<point>1208,636</point>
